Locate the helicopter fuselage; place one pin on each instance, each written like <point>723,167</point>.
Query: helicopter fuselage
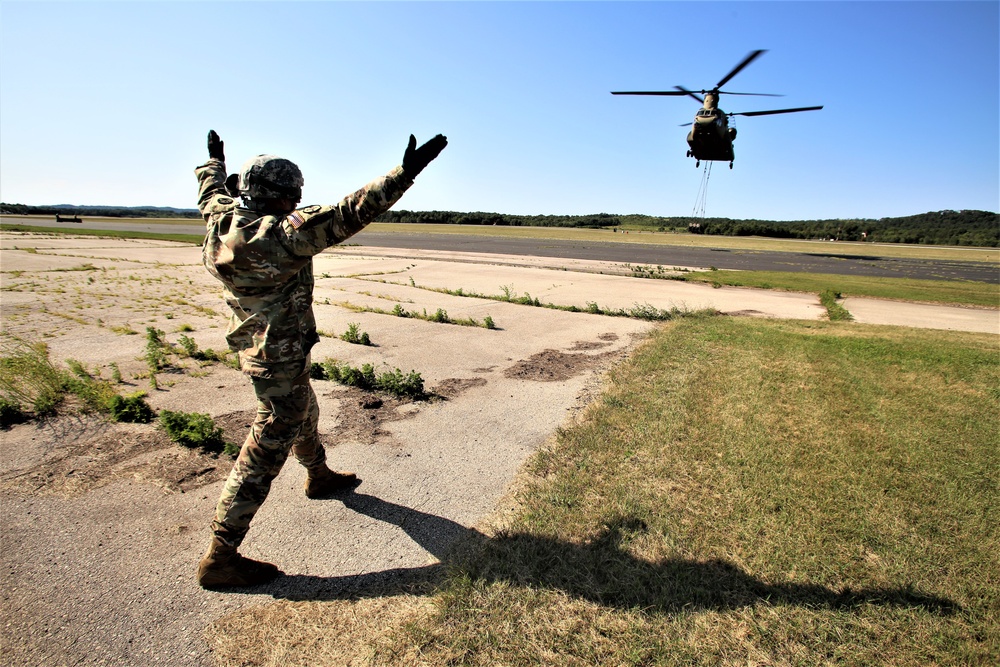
<point>710,137</point>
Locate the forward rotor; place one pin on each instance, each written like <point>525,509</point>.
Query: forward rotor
<point>680,91</point>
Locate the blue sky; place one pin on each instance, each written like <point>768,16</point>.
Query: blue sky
<point>109,103</point>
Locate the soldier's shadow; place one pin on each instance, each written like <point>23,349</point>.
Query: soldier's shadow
<point>600,571</point>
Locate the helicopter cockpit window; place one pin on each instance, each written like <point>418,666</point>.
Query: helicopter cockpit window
<point>706,113</point>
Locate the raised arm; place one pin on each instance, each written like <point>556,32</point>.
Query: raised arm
<point>212,177</point>
<point>312,229</point>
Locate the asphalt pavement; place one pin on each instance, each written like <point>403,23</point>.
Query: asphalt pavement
<point>670,256</point>
<point>836,261</point>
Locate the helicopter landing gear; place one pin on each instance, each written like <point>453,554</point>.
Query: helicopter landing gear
<point>697,163</point>
<point>730,164</point>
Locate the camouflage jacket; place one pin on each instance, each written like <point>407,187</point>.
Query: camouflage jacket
<point>265,262</point>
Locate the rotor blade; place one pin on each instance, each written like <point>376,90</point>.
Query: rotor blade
<point>736,70</point>
<point>685,91</point>
<point>726,92</point>
<point>649,92</point>
<point>774,111</point>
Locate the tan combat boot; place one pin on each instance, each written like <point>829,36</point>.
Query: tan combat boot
<point>323,482</point>
<point>223,567</point>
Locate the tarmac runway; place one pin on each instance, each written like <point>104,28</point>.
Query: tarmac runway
<point>840,263</point>
<point>670,256</point>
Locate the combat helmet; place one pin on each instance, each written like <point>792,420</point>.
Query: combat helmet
<point>270,177</point>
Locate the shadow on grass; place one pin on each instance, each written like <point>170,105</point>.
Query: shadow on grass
<point>600,571</point>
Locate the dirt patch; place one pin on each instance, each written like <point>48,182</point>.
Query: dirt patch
<point>78,453</point>
<point>554,366</point>
<point>453,387</point>
<point>85,453</point>
<point>581,345</point>
<point>361,414</point>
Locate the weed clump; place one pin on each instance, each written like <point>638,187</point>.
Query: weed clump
<point>95,394</point>
<point>156,353</point>
<point>189,345</point>
<point>353,335</point>
<point>28,377</point>
<point>394,382</point>
<point>195,430</point>
<point>511,297</point>
<point>132,409</point>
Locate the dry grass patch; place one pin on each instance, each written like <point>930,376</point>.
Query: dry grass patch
<point>338,632</point>
<point>743,492</point>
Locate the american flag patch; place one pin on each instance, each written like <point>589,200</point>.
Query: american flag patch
<point>296,219</point>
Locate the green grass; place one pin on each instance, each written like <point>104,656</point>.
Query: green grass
<point>834,311</point>
<point>965,293</point>
<point>110,233</point>
<point>743,492</point>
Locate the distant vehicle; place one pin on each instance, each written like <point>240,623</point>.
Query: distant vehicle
<point>710,137</point>
<point>66,218</point>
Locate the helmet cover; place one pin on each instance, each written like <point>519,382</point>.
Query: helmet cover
<point>270,177</point>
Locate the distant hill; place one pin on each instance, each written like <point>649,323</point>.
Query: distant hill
<point>958,228</point>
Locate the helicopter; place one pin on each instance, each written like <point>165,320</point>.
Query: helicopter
<point>711,137</point>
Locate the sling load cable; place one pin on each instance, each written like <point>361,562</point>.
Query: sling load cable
<point>699,205</point>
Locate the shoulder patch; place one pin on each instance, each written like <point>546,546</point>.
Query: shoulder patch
<point>225,200</point>
<point>296,219</point>
<point>311,209</point>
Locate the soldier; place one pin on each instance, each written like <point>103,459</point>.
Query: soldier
<point>262,253</point>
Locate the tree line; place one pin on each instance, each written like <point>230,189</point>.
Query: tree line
<point>101,211</point>
<point>959,228</point>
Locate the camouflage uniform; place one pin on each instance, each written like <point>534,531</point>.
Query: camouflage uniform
<point>265,265</point>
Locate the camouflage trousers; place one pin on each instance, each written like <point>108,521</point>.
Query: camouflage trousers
<point>287,419</point>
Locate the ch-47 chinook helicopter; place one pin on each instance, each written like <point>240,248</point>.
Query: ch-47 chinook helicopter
<point>711,138</point>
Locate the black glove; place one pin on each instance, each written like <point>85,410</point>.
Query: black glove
<point>415,159</point>
<point>233,185</point>
<point>215,146</point>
